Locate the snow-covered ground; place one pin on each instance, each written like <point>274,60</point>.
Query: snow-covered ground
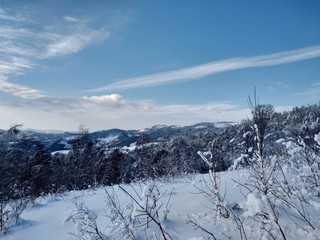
<point>51,216</point>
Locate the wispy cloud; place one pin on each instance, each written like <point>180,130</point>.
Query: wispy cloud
<point>276,86</point>
<point>74,43</point>
<point>20,90</point>
<point>113,111</point>
<point>71,19</point>
<point>74,105</point>
<point>212,68</point>
<point>116,101</point>
<point>4,15</point>
<point>24,42</point>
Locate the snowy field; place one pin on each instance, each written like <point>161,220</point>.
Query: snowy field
<point>180,208</point>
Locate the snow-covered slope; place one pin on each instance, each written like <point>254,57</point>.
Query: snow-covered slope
<point>57,217</point>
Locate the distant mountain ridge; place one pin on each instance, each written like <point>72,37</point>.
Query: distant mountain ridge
<point>57,141</point>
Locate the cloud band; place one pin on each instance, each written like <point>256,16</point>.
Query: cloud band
<point>213,68</point>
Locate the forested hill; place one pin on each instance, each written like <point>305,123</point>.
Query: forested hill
<point>37,163</point>
<point>57,141</point>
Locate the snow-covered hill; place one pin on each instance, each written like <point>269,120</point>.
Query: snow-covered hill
<point>182,211</point>
<point>57,141</point>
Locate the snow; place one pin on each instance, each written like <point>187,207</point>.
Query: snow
<point>246,134</point>
<point>201,127</point>
<point>223,124</point>
<point>148,189</point>
<point>280,140</point>
<point>253,205</point>
<point>49,218</point>
<point>61,152</point>
<point>65,143</point>
<point>132,147</point>
<point>109,139</point>
<point>315,204</point>
<point>317,138</point>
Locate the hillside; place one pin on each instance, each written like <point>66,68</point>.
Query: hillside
<point>57,141</point>
<point>49,218</point>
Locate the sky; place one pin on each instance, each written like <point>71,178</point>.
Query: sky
<point>135,64</point>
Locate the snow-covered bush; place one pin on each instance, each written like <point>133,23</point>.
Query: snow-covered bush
<point>84,219</point>
<point>120,216</point>
<point>277,187</point>
<point>150,209</point>
<point>143,218</point>
<point>279,190</point>
<point>11,210</point>
<point>219,207</point>
<point>13,189</point>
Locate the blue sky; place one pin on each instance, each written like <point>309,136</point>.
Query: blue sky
<point>135,64</point>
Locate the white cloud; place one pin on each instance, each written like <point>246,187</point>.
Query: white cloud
<point>117,101</point>
<point>65,45</point>
<point>214,68</point>
<point>111,101</point>
<point>113,98</point>
<point>71,19</point>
